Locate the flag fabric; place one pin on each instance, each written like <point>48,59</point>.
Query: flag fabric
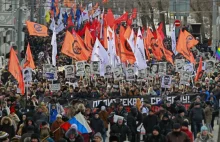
<point>139,52</point>
<point>15,69</point>
<point>81,123</point>
<point>134,13</point>
<point>109,18</point>
<point>217,54</point>
<point>126,51</point>
<point>111,46</point>
<point>29,62</point>
<point>54,49</point>
<point>100,54</point>
<point>36,29</point>
<point>185,42</point>
<point>122,18</point>
<point>74,47</point>
<point>199,70</point>
<point>88,39</point>
<point>130,37</point>
<point>47,17</point>
<point>147,42</point>
<point>173,38</point>
<point>160,31</point>
<point>85,15</point>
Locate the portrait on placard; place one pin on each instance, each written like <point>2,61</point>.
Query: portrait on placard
<point>189,68</point>
<point>80,68</point>
<point>87,69</point>
<point>46,68</point>
<point>53,70</point>
<point>166,81</point>
<point>179,64</point>
<point>27,74</point>
<point>209,66</point>
<point>117,72</point>
<point>69,71</point>
<point>162,68</point>
<point>108,71</point>
<point>95,67</point>
<point>130,75</point>
<point>184,77</point>
<point>142,74</point>
<point>154,69</point>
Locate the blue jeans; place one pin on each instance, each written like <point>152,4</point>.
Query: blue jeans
<point>196,128</point>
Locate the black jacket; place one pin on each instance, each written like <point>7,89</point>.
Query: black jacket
<point>149,122</point>
<point>131,122</point>
<point>97,125</point>
<point>152,138</point>
<point>121,131</point>
<point>79,138</point>
<point>166,126</point>
<point>197,115</point>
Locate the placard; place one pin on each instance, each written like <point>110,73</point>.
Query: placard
<point>117,72</point>
<point>69,71</point>
<point>50,71</point>
<point>54,87</point>
<point>27,75</point>
<point>189,68</point>
<point>142,75</point>
<point>130,76</point>
<point>87,70</point>
<point>108,71</point>
<point>209,66</point>
<point>80,68</point>
<point>184,78</point>
<point>95,67</point>
<point>154,69</point>
<point>179,64</point>
<point>162,68</point>
<point>166,81</point>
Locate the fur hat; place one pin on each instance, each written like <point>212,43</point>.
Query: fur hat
<point>98,135</point>
<point>71,131</point>
<point>3,135</point>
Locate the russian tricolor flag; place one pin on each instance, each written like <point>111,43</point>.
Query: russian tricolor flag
<point>81,123</point>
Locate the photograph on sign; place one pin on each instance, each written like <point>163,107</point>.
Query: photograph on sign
<point>46,68</point>
<point>189,68</point>
<point>179,64</point>
<point>87,70</point>
<point>141,75</point>
<point>27,74</point>
<point>69,71</point>
<point>117,72</point>
<point>154,69</point>
<point>52,70</point>
<point>130,75</point>
<point>54,87</point>
<point>166,81</point>
<point>95,67</point>
<point>184,77</point>
<point>162,68</point>
<point>209,66</point>
<point>108,71</point>
<point>80,68</point>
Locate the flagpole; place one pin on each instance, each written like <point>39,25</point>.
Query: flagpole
<point>26,86</point>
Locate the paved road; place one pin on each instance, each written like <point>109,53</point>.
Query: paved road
<point>215,132</point>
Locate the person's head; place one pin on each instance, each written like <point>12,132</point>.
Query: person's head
<point>120,107</point>
<point>197,105</point>
<point>209,65</point>
<point>176,127</point>
<point>24,117</point>
<point>185,125</point>
<point>154,68</point>
<point>30,122</point>
<point>69,69</point>
<point>130,72</point>
<point>120,120</point>
<point>87,69</point>
<point>156,130</point>
<point>108,69</point>
<point>151,112</point>
<point>97,137</point>
<point>186,75</point>
<point>181,112</point>
<point>165,117</point>
<point>35,138</point>
<point>96,115</point>
<point>39,109</point>
<point>204,130</point>
<point>4,136</point>
<point>80,65</point>
<point>59,118</point>
<point>166,80</point>
<point>198,99</point>
<point>72,133</point>
<point>95,66</point>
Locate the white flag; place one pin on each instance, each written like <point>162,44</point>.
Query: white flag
<point>54,45</point>
<point>85,15</point>
<point>131,41</point>
<point>173,37</point>
<point>58,27</point>
<point>97,12</point>
<point>111,47</point>
<point>140,52</point>
<point>100,54</point>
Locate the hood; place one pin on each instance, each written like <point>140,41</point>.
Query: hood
<point>6,118</point>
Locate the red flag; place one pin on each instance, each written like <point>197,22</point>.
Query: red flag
<point>134,13</point>
<point>29,62</point>
<point>15,69</point>
<point>104,1</point>
<point>160,31</point>
<point>109,18</point>
<point>122,18</point>
<point>199,70</point>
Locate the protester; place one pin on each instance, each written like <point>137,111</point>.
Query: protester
<point>204,135</point>
<point>73,135</point>
<point>55,128</point>
<point>7,126</point>
<point>166,125</point>
<point>185,129</point>
<point>4,136</point>
<point>208,115</point>
<point>97,124</point>
<point>150,121</point>
<point>98,137</point>
<point>155,136</point>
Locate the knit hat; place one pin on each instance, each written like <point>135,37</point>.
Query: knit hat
<point>98,135</point>
<point>204,128</point>
<point>185,123</point>
<point>3,135</point>
<point>35,136</point>
<point>157,128</point>
<point>166,115</point>
<point>59,116</point>
<point>181,110</point>
<point>176,126</point>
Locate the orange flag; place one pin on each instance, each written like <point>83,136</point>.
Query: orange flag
<point>184,44</point>
<point>15,69</point>
<point>105,38</point>
<point>147,42</point>
<point>29,62</point>
<point>199,70</point>
<point>88,40</point>
<point>126,51</point>
<point>36,29</point>
<point>73,46</point>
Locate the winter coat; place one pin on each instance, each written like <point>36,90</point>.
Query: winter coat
<point>25,137</point>
<point>97,125</point>
<point>152,138</point>
<point>199,138</point>
<point>131,122</point>
<point>40,117</point>
<point>104,117</point>
<point>79,138</point>
<point>166,126</point>
<point>53,115</point>
<point>59,133</point>
<point>178,119</point>
<point>8,128</point>
<point>189,134</point>
<point>197,115</point>
<point>149,122</point>
<point>177,137</point>
<point>208,114</point>
<point>24,128</point>
<point>122,131</point>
